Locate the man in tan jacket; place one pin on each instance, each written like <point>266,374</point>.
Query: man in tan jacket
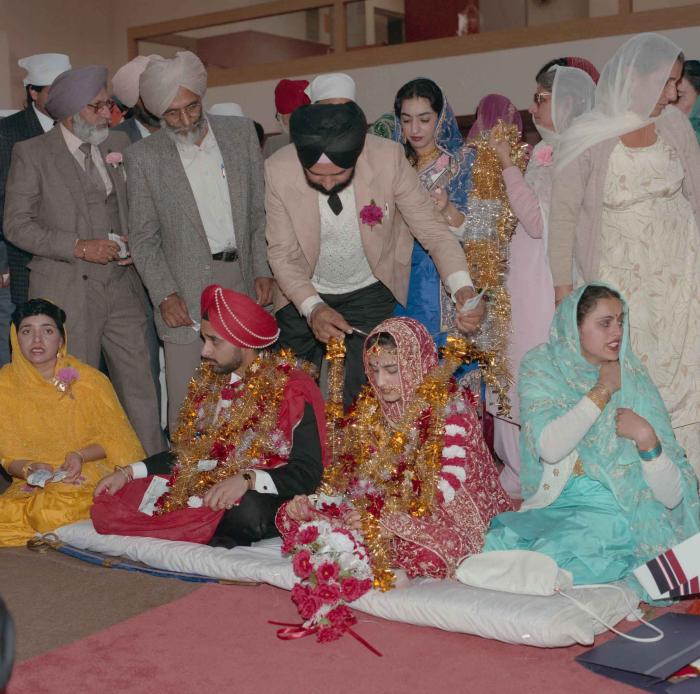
<point>342,210</point>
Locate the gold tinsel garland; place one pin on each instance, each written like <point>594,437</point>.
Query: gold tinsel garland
<point>243,435</point>
<point>335,355</point>
<point>371,450</point>
<point>491,224</point>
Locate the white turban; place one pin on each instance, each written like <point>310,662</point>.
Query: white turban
<point>125,83</point>
<point>226,109</point>
<point>43,68</point>
<point>163,77</point>
<point>336,85</point>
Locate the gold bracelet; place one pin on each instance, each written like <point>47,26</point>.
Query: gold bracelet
<point>25,467</point>
<point>599,395</point>
<point>127,470</point>
<point>80,455</point>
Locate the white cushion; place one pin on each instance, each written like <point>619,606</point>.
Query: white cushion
<point>521,619</point>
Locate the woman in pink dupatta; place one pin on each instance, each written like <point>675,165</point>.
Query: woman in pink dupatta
<point>380,466</point>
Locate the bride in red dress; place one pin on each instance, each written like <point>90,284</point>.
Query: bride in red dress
<point>412,472</point>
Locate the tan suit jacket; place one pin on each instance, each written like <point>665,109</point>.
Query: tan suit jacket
<point>383,176</point>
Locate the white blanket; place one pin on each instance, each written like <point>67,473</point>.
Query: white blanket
<point>520,619</point>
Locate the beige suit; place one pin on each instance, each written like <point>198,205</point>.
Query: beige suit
<point>383,176</point>
<point>49,206</point>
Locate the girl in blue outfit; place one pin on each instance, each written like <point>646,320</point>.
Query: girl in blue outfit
<point>606,485</point>
<point>424,123</point>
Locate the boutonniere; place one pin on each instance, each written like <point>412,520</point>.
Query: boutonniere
<point>371,214</point>
<point>543,155</point>
<point>115,159</point>
<point>64,379</point>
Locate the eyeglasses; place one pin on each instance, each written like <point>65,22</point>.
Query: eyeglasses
<point>108,104</point>
<point>191,111</point>
<point>540,97</point>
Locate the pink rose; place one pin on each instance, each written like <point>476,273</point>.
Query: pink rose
<point>328,593</point>
<point>353,589</point>
<point>543,155</point>
<point>328,634</point>
<point>308,535</point>
<point>327,572</point>
<point>371,214</point>
<point>114,158</point>
<point>341,617</point>
<point>307,604</point>
<point>302,564</point>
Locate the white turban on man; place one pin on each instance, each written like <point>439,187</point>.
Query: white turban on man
<point>163,77</point>
<point>125,83</point>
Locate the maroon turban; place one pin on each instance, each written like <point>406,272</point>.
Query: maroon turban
<point>237,318</point>
<point>585,65</point>
<point>289,95</point>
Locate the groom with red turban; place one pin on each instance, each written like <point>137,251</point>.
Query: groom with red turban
<point>251,435</point>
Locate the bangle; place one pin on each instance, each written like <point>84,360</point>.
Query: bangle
<point>651,454</point>
<point>80,455</point>
<point>600,395</point>
<point>127,471</point>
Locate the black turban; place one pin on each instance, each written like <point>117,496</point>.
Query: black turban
<point>336,130</point>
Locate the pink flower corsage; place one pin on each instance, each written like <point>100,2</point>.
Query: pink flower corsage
<point>543,155</point>
<point>371,214</point>
<point>64,379</point>
<point>114,158</point>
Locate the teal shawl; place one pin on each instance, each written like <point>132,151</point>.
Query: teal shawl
<point>694,117</point>
<point>553,378</point>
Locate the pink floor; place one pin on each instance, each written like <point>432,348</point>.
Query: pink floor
<point>217,640</point>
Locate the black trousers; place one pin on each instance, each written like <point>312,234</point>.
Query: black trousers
<point>252,520</point>
<point>363,309</point>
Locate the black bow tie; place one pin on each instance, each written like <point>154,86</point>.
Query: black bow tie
<point>335,204</point>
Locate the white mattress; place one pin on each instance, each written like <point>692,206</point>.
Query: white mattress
<point>519,619</point>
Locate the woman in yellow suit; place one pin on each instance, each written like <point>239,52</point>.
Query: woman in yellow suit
<point>57,416</point>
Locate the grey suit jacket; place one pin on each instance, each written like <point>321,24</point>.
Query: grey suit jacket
<point>46,212</point>
<point>166,234</point>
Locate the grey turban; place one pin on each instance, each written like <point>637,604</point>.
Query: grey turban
<point>74,89</point>
<point>163,77</point>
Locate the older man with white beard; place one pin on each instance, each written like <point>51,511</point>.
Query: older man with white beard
<point>196,211</point>
<point>66,204</point>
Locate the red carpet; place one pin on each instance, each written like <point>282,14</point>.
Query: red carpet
<point>217,640</point>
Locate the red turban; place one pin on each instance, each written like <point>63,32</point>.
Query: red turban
<point>585,65</point>
<point>289,95</point>
<point>238,319</point>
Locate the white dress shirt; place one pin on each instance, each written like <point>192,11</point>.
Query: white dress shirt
<point>143,130</point>
<point>73,143</point>
<point>45,121</point>
<point>205,171</point>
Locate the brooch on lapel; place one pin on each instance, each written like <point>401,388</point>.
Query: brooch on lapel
<point>371,214</point>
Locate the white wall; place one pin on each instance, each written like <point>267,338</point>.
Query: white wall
<point>465,79</point>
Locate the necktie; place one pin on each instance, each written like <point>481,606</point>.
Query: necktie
<point>90,168</point>
<point>335,204</point>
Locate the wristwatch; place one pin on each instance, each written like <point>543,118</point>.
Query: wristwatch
<point>248,480</point>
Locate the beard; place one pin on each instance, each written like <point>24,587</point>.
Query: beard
<point>334,189</point>
<point>95,134</point>
<point>186,136</point>
<point>223,368</point>
<point>142,114</point>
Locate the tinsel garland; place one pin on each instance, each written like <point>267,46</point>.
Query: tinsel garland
<point>244,434</point>
<point>400,464</point>
<point>335,355</point>
<point>490,226</point>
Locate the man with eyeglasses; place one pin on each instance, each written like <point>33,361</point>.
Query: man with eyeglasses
<point>33,120</point>
<point>66,204</point>
<point>196,210</point>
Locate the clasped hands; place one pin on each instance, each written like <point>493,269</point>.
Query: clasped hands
<point>100,251</point>
<point>301,510</point>
<point>628,424</point>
